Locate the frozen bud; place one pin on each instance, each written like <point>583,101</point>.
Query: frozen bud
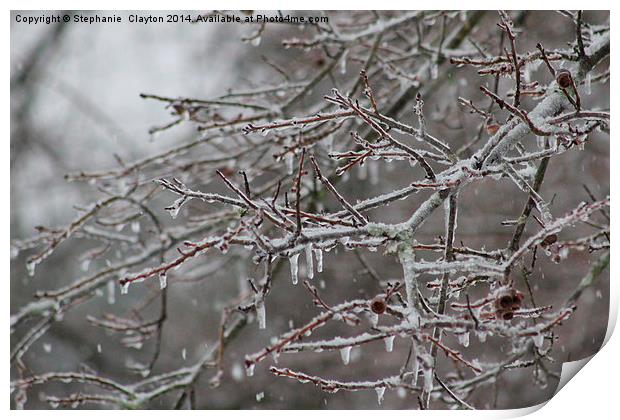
<point>378,305</point>
<point>563,78</point>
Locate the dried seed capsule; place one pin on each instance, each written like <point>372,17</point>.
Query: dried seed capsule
<point>507,300</point>
<point>378,305</point>
<point>563,78</point>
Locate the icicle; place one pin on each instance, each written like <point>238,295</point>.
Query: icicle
<point>124,288</point>
<point>184,353</point>
<point>588,84</point>
<point>309,264</point>
<point>98,348</point>
<point>111,292</point>
<point>237,372</point>
<point>260,314</point>
<point>256,41</point>
<point>318,254</point>
<point>343,62</point>
<point>289,160</point>
<point>463,339</point>
<point>373,172</point>
<point>163,280</point>
<point>293,260</point>
<point>345,353</point>
<point>362,172</point>
<point>249,370</point>
<point>389,343</point>
<point>30,266</point>
<point>260,396</point>
<point>380,393</point>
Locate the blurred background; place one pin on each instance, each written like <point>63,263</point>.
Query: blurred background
<point>75,104</point>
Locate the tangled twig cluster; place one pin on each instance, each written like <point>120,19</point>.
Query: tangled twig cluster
<point>275,172</point>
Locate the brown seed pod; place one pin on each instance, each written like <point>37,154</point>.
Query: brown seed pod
<point>563,78</point>
<point>378,305</point>
<point>507,300</point>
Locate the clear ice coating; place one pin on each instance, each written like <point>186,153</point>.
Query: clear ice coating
<point>294,261</point>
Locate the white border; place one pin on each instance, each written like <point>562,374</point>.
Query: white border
<point>595,391</point>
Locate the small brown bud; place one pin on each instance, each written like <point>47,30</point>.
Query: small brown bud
<point>378,305</point>
<point>491,126</point>
<point>549,240</point>
<point>563,78</point>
